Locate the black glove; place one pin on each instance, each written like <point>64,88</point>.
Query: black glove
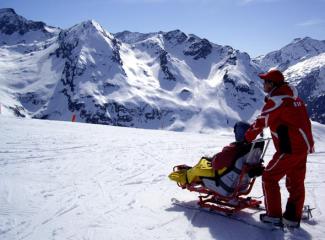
<point>256,171</point>
<point>243,142</point>
<point>262,134</point>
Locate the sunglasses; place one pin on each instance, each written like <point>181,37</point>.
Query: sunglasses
<point>268,81</point>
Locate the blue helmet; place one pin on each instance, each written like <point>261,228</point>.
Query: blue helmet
<point>240,129</point>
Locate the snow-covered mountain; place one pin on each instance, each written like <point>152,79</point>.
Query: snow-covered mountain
<point>167,80</point>
<point>297,51</point>
<point>309,78</point>
<point>303,63</point>
<point>162,80</point>
<point>15,29</point>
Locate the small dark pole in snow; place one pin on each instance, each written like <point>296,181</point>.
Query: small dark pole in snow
<point>73,118</point>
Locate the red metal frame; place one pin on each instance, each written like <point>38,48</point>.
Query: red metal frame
<point>227,204</point>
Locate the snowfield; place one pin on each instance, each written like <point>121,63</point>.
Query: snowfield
<point>62,180</point>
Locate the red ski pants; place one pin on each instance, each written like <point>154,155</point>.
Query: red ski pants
<point>293,166</point>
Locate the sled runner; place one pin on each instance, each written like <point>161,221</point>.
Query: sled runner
<point>226,190</point>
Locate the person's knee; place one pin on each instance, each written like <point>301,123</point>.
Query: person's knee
<point>266,177</point>
<point>269,179</point>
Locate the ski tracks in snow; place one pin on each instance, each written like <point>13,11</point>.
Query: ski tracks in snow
<point>62,180</point>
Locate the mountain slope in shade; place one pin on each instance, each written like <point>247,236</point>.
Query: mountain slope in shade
<point>28,73</point>
<point>15,29</point>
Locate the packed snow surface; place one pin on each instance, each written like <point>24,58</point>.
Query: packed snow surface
<point>61,180</point>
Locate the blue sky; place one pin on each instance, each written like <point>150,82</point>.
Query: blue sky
<point>253,26</point>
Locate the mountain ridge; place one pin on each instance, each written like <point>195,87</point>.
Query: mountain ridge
<point>168,80</point>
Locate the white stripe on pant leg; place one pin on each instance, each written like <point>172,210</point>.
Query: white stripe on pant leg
<point>265,198</point>
<point>269,169</point>
<point>263,184</point>
<point>306,139</point>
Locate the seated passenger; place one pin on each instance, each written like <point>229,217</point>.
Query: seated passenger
<point>229,154</point>
<point>221,172</point>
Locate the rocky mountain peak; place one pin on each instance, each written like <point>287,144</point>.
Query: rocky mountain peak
<point>298,50</point>
<point>7,11</point>
<point>87,29</point>
<point>307,45</point>
<point>176,36</point>
<point>133,37</point>
<point>10,22</point>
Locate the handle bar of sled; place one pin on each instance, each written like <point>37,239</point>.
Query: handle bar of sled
<point>267,140</point>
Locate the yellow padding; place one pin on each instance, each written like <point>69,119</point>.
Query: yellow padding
<point>202,169</point>
<point>222,170</point>
<point>179,176</point>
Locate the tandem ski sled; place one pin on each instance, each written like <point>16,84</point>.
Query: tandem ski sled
<point>226,192</point>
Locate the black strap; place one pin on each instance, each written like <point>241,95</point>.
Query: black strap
<point>236,170</point>
<point>226,187</point>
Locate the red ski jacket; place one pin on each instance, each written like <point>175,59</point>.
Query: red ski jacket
<point>229,154</point>
<point>286,116</point>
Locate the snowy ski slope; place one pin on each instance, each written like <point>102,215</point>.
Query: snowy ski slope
<point>61,180</point>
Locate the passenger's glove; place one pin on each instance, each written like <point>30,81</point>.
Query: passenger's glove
<point>262,134</point>
<point>244,142</point>
<point>256,171</point>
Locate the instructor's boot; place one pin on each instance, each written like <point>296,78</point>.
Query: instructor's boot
<point>290,224</point>
<point>289,217</point>
<point>276,221</point>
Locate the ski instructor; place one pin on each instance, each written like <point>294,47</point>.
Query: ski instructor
<point>286,116</point>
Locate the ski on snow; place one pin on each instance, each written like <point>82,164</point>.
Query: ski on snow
<point>259,225</point>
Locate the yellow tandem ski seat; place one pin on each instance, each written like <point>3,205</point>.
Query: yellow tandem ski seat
<point>222,181</point>
<point>186,174</point>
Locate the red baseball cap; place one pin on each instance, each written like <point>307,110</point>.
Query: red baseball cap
<point>274,75</point>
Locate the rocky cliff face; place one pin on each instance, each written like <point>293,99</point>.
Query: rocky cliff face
<point>11,23</point>
<point>16,29</point>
